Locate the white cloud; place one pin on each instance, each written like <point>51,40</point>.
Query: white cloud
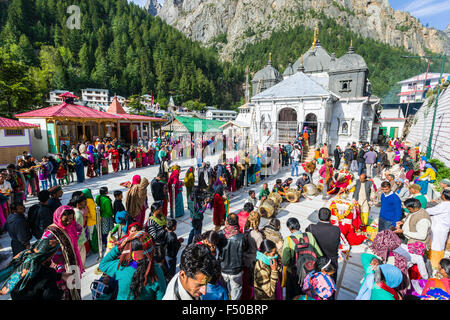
<point>416,4</point>
<point>437,8</point>
<point>423,8</point>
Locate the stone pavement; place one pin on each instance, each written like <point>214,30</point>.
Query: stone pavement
<point>305,210</point>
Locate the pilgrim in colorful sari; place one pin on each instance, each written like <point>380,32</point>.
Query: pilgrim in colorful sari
<point>90,169</point>
<point>136,201</point>
<point>79,168</point>
<point>29,275</point>
<point>144,157</point>
<point>66,231</point>
<point>178,196</point>
<point>115,159</point>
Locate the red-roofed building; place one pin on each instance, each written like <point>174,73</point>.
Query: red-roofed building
<point>14,139</point>
<point>133,126</point>
<point>70,123</point>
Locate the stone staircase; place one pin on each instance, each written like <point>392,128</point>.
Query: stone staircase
<point>308,154</point>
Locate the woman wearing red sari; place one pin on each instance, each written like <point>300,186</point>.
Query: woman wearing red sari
<point>218,209</point>
<point>115,159</point>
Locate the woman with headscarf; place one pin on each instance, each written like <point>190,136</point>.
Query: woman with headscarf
<point>131,263</point>
<point>387,246</point>
<point>176,199</point>
<point>136,201</point>
<point>254,238</point>
<point>428,177</point>
<point>29,275</point>
<point>79,168</point>
<point>144,157</point>
<point>189,181</point>
<point>90,168</point>
<point>218,209</point>
<point>114,159</point>
<point>380,280</point>
<point>91,220</point>
<point>66,231</point>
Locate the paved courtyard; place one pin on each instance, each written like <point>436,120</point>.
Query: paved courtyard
<point>305,211</point>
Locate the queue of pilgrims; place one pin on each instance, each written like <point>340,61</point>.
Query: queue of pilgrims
<point>238,259</point>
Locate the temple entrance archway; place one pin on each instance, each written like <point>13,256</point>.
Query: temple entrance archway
<point>311,124</point>
<point>287,125</point>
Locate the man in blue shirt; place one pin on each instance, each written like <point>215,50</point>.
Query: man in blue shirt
<point>391,208</point>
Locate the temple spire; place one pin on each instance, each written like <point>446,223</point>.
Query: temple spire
<point>350,49</point>
<point>316,37</point>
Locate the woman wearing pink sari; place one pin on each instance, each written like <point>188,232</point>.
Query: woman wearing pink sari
<point>176,200</point>
<point>66,231</point>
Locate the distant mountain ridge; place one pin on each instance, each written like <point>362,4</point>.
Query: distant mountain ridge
<point>237,22</point>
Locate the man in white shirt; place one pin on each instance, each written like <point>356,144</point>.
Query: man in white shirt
<point>440,226</point>
<point>296,157</point>
<point>196,270</point>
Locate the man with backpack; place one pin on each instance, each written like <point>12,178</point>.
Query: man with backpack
<point>327,236</point>
<point>300,252</point>
<point>39,215</point>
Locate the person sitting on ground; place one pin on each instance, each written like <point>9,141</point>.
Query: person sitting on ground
<point>252,198</point>
<point>264,193</point>
<point>287,183</point>
<point>402,190</point>
<point>278,188</point>
<point>303,181</point>
<point>414,191</point>
<point>197,267</point>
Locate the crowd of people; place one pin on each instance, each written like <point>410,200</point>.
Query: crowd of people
<point>238,259</point>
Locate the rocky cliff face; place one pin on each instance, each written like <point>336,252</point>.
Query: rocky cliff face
<point>152,7</point>
<point>242,21</point>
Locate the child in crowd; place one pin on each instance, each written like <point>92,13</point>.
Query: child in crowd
<point>214,288</point>
<point>173,244</point>
<point>118,205</point>
<point>61,173</point>
<point>319,285</point>
<point>43,173</point>
<point>106,212</point>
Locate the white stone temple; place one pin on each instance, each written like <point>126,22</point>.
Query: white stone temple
<point>329,95</point>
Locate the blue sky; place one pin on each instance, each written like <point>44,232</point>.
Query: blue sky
<point>434,12</point>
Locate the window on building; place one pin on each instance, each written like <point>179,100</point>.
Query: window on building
<point>345,127</point>
<point>14,132</point>
<point>345,85</point>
